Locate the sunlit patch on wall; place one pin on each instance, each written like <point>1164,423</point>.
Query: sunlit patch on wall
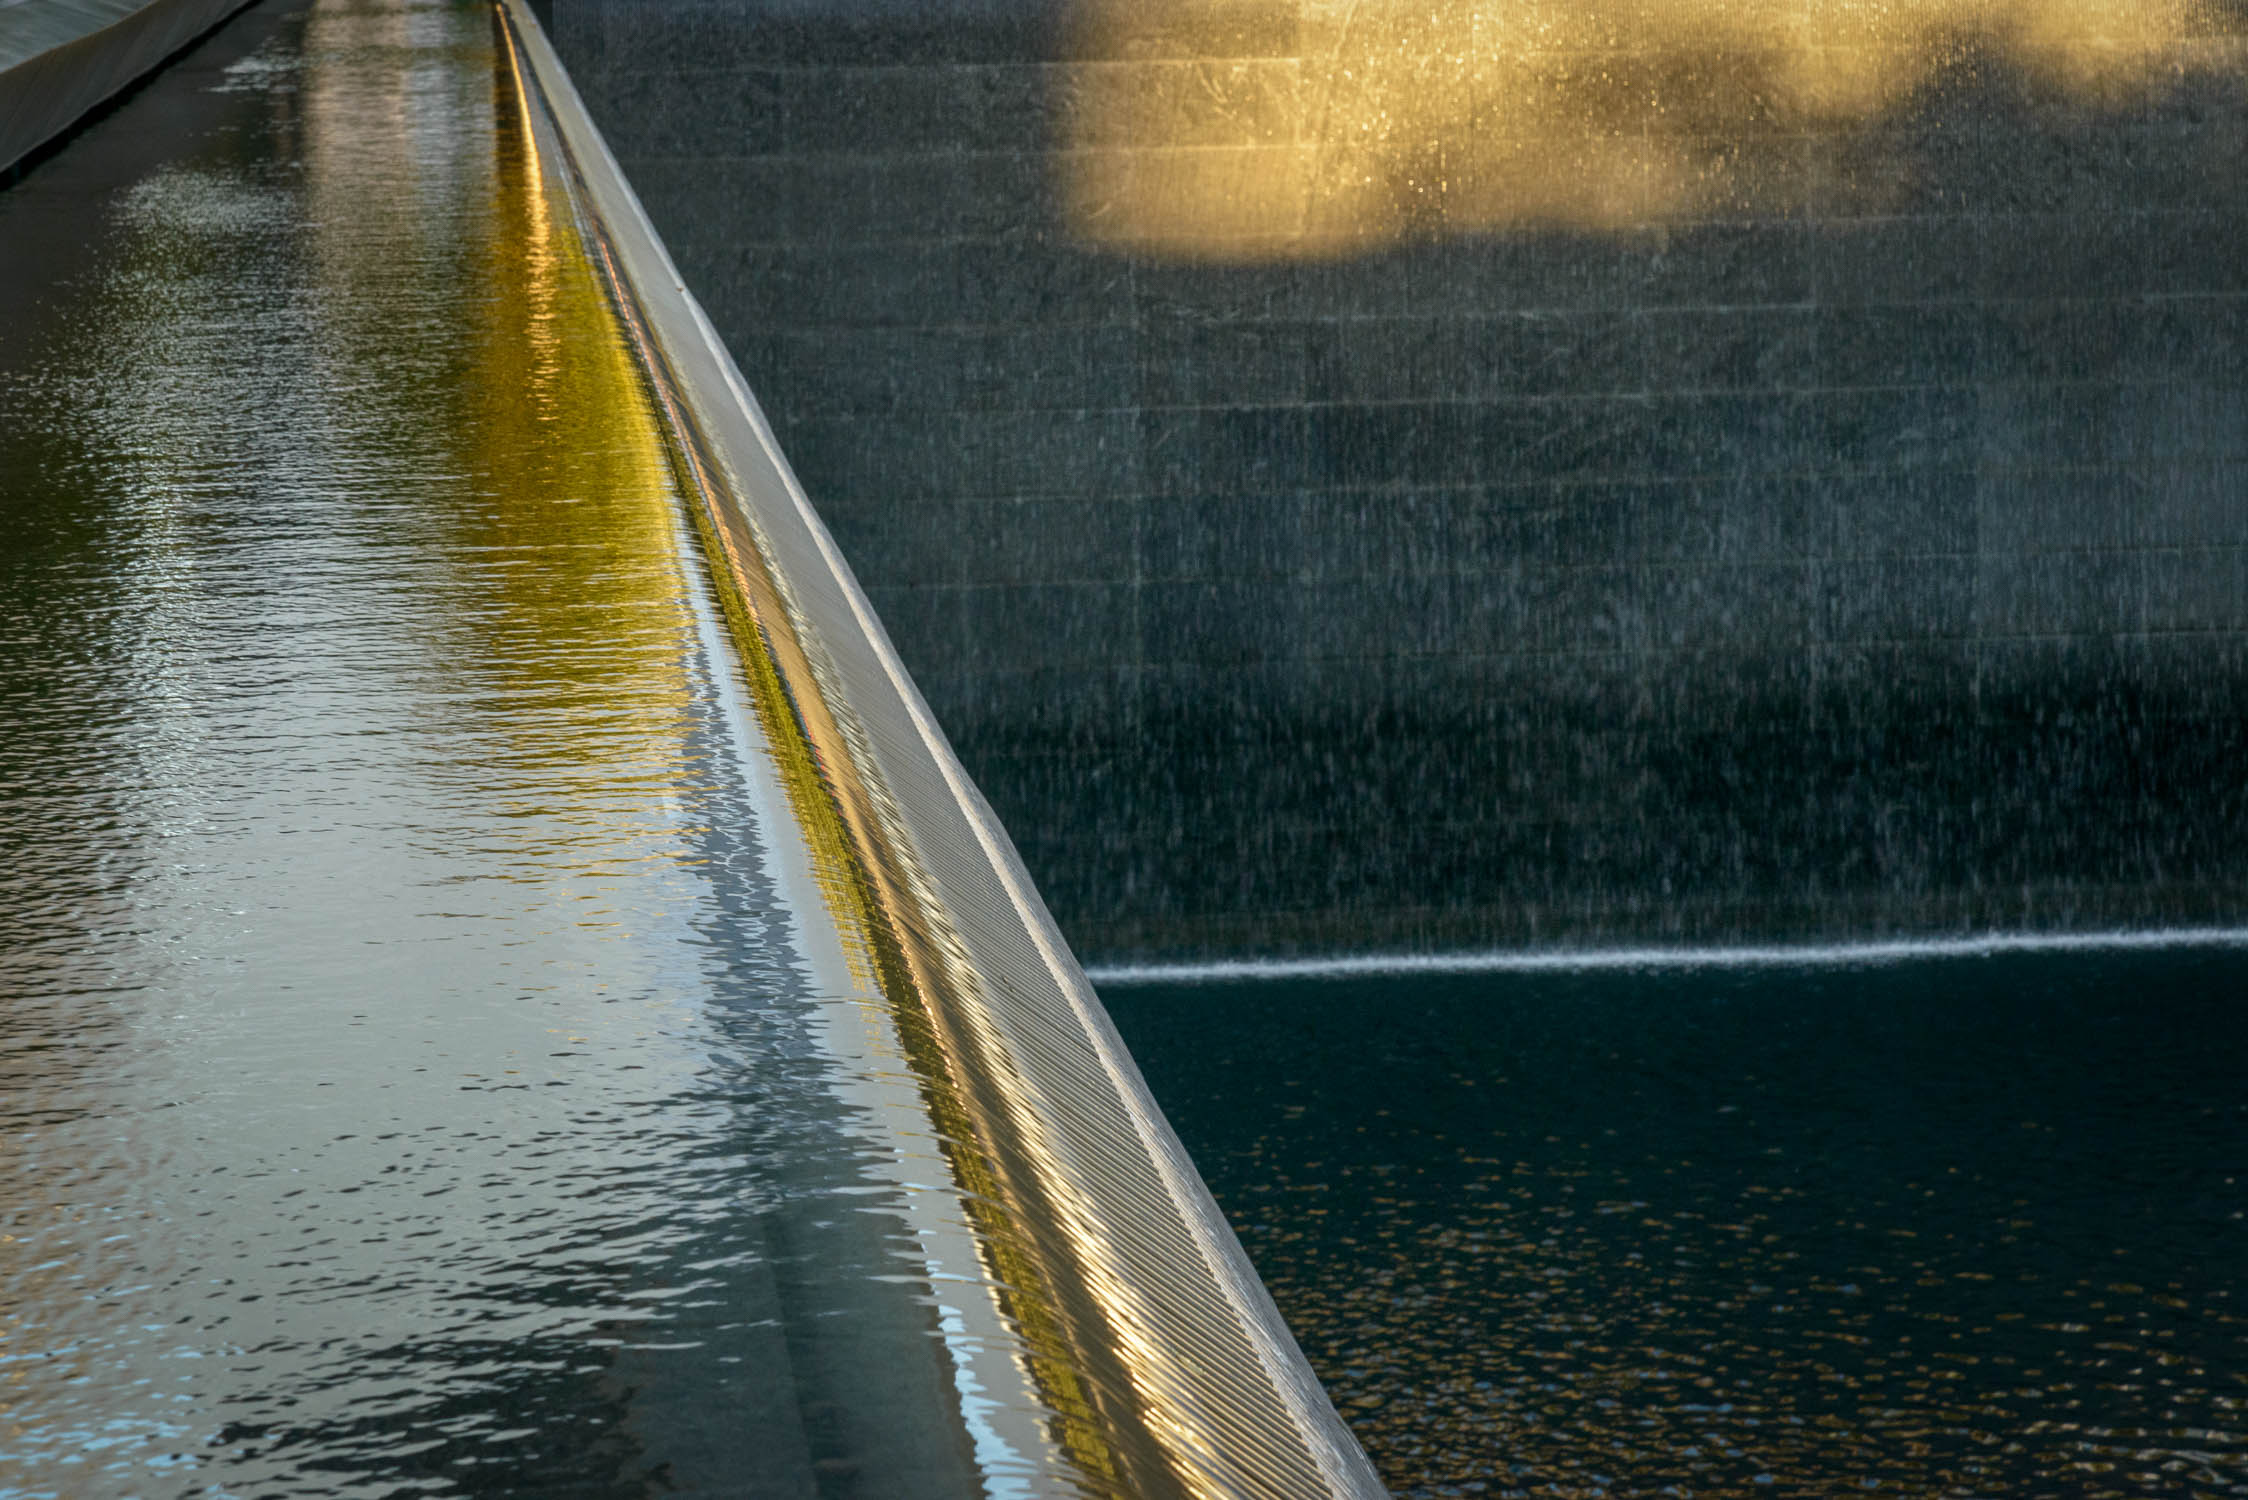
<point>1245,130</point>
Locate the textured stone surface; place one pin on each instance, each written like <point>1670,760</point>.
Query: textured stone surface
<point>61,60</point>
<point>1859,547</point>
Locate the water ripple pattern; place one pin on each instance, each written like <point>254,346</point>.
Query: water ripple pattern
<point>1962,1227</point>
<point>416,1076</point>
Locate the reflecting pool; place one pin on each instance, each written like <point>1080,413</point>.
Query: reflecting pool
<point>1959,1227</point>
<point>422,1068</point>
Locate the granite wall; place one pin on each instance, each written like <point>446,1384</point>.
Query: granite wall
<point>1845,535</point>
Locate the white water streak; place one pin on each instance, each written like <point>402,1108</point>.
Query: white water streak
<point>1574,960</point>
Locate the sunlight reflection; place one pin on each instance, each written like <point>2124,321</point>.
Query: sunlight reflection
<point>1282,128</point>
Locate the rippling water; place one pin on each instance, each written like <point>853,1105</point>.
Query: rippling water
<point>1962,1228</point>
<point>416,1076</point>
<point>411,1078</point>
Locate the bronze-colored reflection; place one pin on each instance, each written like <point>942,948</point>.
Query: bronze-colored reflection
<point>571,469</point>
<point>1285,128</point>
<point>562,517</point>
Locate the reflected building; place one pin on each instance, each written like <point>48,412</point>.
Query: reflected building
<point>1535,473</point>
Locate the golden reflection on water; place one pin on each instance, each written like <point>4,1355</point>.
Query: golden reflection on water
<point>1298,128</point>
<point>572,467</point>
<point>572,670</point>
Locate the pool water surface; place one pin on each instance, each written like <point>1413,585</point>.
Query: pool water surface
<point>1964,1227</point>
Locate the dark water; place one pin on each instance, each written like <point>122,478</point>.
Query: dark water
<point>416,1076</point>
<point>1962,1228</point>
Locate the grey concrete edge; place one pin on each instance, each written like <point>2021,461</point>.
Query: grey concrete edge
<point>683,332</point>
<point>44,95</point>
